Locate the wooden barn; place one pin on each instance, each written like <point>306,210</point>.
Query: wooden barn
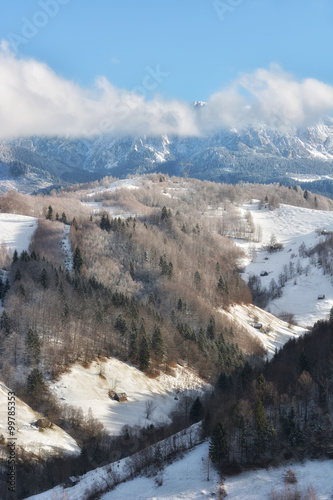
<point>120,396</point>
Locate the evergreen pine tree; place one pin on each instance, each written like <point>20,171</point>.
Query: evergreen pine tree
<point>120,324</point>
<point>105,223</point>
<point>18,275</point>
<point>65,313</point>
<point>44,278</point>
<point>197,279</point>
<point>33,344</point>
<point>144,356</point>
<point>220,284</point>
<point>304,362</point>
<point>77,260</point>
<point>35,380</point>
<point>261,427</point>
<point>157,343</point>
<point>133,347</point>
<point>260,419</point>
<point>5,322</point>
<point>6,287</point>
<point>211,328</point>
<point>196,410</point>
<point>15,256</point>
<point>49,214</point>
<point>202,341</point>
<point>218,446</point>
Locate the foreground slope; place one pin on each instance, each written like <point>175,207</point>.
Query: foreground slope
<point>41,443</point>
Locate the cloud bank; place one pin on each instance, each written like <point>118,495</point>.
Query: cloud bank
<point>36,101</point>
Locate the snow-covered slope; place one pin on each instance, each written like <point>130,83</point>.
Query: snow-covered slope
<point>291,226</point>
<point>272,332</point>
<point>89,388</point>
<point>16,231</point>
<point>52,441</point>
<point>186,478</point>
<point>177,476</point>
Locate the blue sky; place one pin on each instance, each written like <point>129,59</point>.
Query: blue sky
<point>81,67</point>
<point>199,46</point>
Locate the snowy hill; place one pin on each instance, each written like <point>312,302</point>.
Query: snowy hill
<point>272,333</point>
<point>291,226</point>
<point>52,441</point>
<point>89,388</point>
<point>187,478</point>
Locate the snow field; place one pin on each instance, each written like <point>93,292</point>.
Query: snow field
<point>186,478</point>
<point>85,388</point>
<point>50,441</point>
<point>291,226</point>
<point>16,231</point>
<point>274,332</point>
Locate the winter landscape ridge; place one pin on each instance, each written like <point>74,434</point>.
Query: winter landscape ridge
<point>258,153</point>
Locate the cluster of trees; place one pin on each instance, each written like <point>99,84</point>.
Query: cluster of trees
<point>284,411</point>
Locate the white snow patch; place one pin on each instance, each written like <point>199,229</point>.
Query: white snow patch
<point>16,231</point>
<point>49,442</point>
<point>85,388</point>
<point>67,248</point>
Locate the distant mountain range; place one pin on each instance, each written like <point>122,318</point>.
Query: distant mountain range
<point>254,154</point>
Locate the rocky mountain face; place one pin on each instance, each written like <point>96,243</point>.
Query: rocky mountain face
<point>258,154</point>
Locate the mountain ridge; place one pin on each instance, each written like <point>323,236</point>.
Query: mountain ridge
<point>255,154</point>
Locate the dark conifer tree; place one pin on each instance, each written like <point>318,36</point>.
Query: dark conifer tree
<point>218,446</point>
<point>33,345</point>
<point>49,214</point>
<point>180,304</point>
<point>24,256</point>
<point>5,322</point>
<point>261,428</point>
<point>15,256</point>
<point>105,223</point>
<point>35,381</point>
<point>18,275</point>
<point>196,410</point>
<point>211,328</point>
<point>202,341</point>
<point>144,355</point>
<point>133,347</point>
<point>120,324</point>
<point>157,343</point>
<point>44,278</point>
<point>77,260</point>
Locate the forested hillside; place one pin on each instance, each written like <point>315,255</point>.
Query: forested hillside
<point>139,270</point>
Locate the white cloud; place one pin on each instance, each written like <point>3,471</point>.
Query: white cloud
<point>36,101</point>
<point>272,97</point>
